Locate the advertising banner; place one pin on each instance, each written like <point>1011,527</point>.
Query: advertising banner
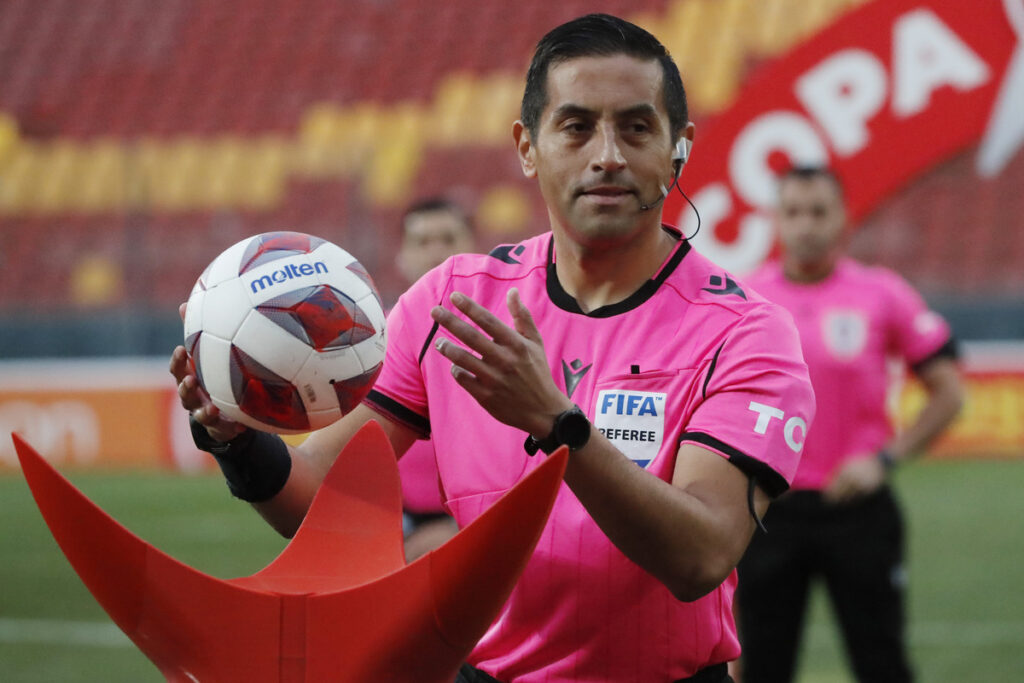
<point>89,413</point>
<point>116,414</point>
<point>884,94</point>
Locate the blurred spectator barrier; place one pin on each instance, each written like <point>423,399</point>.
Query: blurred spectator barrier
<point>125,413</point>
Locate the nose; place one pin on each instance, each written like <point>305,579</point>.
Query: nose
<point>608,154</point>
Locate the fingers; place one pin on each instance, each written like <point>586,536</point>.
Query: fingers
<point>836,493</point>
<point>469,335</point>
<point>492,332</point>
<point>521,316</point>
<point>487,321</point>
<point>462,360</point>
<point>208,415</point>
<point>859,477</point>
<point>495,343</point>
<point>842,489</point>
<point>470,382</point>
<point>475,372</point>
<point>179,366</point>
<point>197,402</point>
<point>192,396</point>
<point>181,310</point>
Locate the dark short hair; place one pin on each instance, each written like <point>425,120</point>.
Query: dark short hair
<point>810,172</point>
<point>600,35</point>
<point>431,204</point>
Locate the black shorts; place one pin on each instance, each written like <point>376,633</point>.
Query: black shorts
<point>856,551</point>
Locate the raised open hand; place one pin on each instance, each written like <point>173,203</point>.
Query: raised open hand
<point>509,373</point>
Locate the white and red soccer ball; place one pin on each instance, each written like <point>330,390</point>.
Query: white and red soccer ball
<point>286,332</point>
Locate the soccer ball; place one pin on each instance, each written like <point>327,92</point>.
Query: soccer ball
<point>285,331</point>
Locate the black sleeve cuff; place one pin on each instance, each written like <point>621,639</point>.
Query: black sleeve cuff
<point>773,483</point>
<point>399,413</point>
<point>949,350</point>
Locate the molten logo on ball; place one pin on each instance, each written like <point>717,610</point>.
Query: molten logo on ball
<point>288,273</point>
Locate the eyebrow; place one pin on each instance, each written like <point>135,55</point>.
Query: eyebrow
<point>569,110</point>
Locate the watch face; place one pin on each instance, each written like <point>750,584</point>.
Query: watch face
<point>573,429</point>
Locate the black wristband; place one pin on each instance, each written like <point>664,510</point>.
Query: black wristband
<point>256,464</point>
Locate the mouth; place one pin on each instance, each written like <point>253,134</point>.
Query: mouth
<point>606,194</point>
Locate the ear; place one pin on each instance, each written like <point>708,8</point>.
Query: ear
<point>684,146</point>
<point>524,147</point>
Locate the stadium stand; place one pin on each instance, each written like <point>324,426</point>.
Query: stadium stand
<point>148,136</point>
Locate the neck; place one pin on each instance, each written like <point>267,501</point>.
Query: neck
<point>808,272</point>
<point>601,276</point>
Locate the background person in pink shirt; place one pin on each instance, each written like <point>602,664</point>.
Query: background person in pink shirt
<point>683,398</point>
<point>840,522</point>
<point>433,229</point>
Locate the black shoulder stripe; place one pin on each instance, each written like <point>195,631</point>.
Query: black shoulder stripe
<point>773,483</point>
<point>397,411</point>
<point>950,350</point>
<point>433,330</point>
<point>711,371</point>
<point>426,343</point>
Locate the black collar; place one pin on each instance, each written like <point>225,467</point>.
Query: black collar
<point>566,302</point>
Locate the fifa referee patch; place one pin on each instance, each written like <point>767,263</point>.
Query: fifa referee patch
<point>634,421</point>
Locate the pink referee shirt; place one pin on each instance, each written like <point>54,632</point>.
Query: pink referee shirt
<point>690,357</point>
<point>851,324</point>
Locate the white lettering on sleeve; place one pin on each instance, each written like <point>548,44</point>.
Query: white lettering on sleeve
<point>792,425</point>
<point>764,415</point>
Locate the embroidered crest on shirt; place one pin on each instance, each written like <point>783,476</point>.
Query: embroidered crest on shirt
<point>634,421</point>
<point>573,372</point>
<point>845,333</point>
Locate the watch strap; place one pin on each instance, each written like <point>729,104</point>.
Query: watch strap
<point>548,444</point>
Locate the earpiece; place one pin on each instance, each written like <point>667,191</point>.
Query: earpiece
<point>681,154</point>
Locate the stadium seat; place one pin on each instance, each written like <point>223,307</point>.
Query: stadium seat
<point>92,85</point>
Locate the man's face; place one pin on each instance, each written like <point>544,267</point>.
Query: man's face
<point>810,219</point>
<point>429,238</point>
<point>603,147</point>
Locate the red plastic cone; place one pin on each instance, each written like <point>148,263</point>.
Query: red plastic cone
<point>338,604</point>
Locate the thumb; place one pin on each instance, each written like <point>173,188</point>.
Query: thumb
<point>521,316</point>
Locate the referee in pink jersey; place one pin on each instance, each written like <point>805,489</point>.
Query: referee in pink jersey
<point>682,396</point>
<point>840,522</point>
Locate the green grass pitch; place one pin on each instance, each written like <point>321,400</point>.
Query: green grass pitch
<point>966,586</point>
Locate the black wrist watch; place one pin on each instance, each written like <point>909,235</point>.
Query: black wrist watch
<point>572,429</point>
